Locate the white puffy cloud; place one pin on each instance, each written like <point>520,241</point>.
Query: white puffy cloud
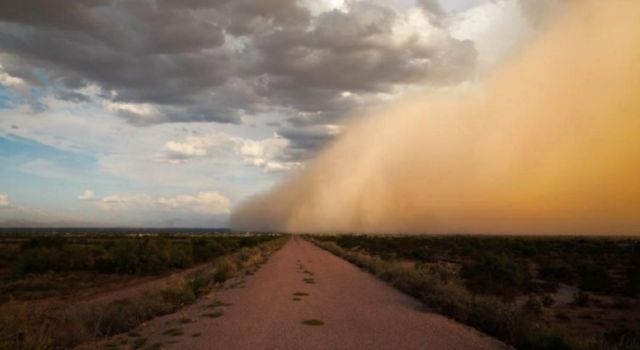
<point>208,202</point>
<point>179,152</point>
<point>269,154</point>
<point>4,200</point>
<point>14,83</point>
<point>136,113</point>
<point>87,195</point>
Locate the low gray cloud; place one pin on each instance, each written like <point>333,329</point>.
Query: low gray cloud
<point>220,61</point>
<point>304,141</point>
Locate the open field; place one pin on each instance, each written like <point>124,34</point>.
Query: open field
<point>45,263</point>
<point>60,290</point>
<point>531,292</point>
<point>170,290</point>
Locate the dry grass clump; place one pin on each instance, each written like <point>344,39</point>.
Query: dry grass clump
<point>313,322</point>
<point>214,314</point>
<point>24,326</point>
<point>21,328</point>
<point>514,323</point>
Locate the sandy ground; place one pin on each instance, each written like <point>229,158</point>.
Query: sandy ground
<point>358,311</point>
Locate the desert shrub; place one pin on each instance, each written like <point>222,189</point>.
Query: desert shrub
<point>556,272</point>
<point>632,284</point>
<point>452,299</point>
<point>178,293</point>
<point>547,300</point>
<point>65,258</point>
<point>139,257</point>
<point>580,298</point>
<point>439,270</point>
<point>205,249</point>
<point>499,319</point>
<point>594,277</point>
<point>544,339</point>
<point>39,259</point>
<point>8,254</point>
<point>199,283</point>
<point>499,266</point>
<point>405,278</point>
<point>420,254</point>
<point>180,256</point>
<point>70,328</point>
<point>154,256</point>
<point>24,328</point>
<point>225,268</point>
<point>118,316</point>
<point>125,257</point>
<point>105,263</point>
<point>248,257</point>
<point>73,257</point>
<point>524,248</point>
<point>532,306</point>
<point>495,274</point>
<point>44,242</point>
<point>449,299</point>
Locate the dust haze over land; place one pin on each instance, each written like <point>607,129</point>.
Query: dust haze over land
<point>549,144</point>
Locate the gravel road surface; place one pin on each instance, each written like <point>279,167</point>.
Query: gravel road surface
<point>357,311</point>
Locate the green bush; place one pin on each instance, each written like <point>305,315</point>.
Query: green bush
<point>205,249</point>
<point>180,256</point>
<point>556,272</point>
<point>502,320</point>
<point>38,259</point>
<point>73,257</point>
<point>44,242</point>
<point>494,274</point>
<point>632,285</point>
<point>594,277</point>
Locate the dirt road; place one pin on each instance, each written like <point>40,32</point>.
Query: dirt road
<point>357,311</point>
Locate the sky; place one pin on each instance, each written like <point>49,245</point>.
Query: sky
<point>171,114</point>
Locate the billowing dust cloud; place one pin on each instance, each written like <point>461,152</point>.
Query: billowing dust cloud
<point>549,144</point>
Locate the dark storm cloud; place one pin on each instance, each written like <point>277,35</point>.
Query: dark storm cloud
<point>201,60</point>
<point>304,141</point>
<point>250,16</point>
<point>135,51</point>
<point>71,96</point>
<point>353,51</point>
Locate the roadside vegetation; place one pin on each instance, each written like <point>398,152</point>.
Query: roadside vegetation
<point>533,293</point>
<point>45,265</point>
<point>34,317</point>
